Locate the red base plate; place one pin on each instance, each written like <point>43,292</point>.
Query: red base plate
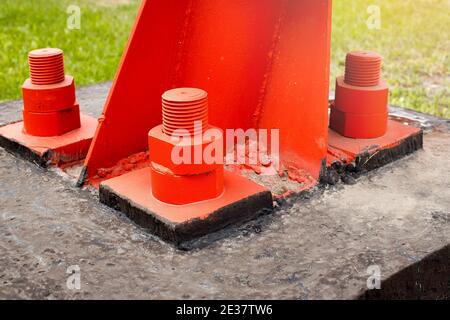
<point>131,193</point>
<point>345,149</point>
<point>60,150</point>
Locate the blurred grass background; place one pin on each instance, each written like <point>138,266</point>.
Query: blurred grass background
<point>414,39</point>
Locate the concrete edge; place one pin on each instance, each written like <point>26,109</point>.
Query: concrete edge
<point>366,162</point>
<point>18,149</point>
<point>181,234</point>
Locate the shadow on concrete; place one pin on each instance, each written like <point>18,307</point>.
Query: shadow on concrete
<point>428,279</point>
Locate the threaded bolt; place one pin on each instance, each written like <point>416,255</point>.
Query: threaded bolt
<point>46,66</point>
<point>184,108</point>
<point>363,68</point>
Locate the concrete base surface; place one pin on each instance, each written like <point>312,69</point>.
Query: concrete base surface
<point>317,247</point>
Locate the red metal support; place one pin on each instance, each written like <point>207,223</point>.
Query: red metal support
<point>184,200</point>
<point>265,65</point>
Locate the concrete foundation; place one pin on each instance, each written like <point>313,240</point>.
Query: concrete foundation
<point>317,245</point>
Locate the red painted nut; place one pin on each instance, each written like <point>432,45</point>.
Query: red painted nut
<point>185,155</point>
<point>359,126</point>
<point>186,189</point>
<point>50,106</point>
<point>361,105</point>
<point>50,124</point>
<point>49,98</point>
<point>180,173</point>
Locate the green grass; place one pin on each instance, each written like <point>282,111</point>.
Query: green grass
<point>414,39</point>
<point>91,53</point>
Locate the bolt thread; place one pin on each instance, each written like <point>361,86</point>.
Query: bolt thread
<point>363,69</point>
<point>46,66</point>
<point>185,109</point>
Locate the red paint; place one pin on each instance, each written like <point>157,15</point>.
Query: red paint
<point>193,180</point>
<point>360,109</point>
<point>182,108</point>
<point>340,149</point>
<point>134,162</point>
<point>264,64</point>
<point>50,106</point>
<point>347,149</point>
<point>46,66</point>
<point>136,187</point>
<point>48,98</point>
<point>363,69</point>
<point>301,177</point>
<point>67,148</point>
<point>51,124</point>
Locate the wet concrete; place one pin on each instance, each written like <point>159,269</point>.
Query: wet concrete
<point>309,249</point>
